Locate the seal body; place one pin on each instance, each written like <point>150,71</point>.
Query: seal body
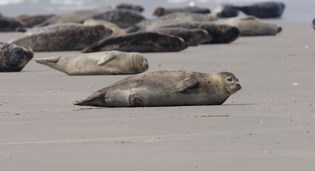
<point>122,17</point>
<point>99,63</point>
<point>251,26</point>
<point>192,37</point>
<point>62,37</point>
<point>174,18</point>
<point>9,24</point>
<point>226,11</point>
<point>221,33</point>
<point>140,42</point>
<point>268,9</point>
<point>160,11</point>
<point>31,21</point>
<point>166,88</point>
<point>116,30</point>
<point>13,58</point>
<point>128,6</point>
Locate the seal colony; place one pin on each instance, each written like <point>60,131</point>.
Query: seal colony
<point>166,88</point>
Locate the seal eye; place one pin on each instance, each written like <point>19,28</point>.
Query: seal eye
<point>229,79</point>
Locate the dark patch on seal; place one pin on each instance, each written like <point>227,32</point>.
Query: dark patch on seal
<point>133,7</point>
<point>136,101</point>
<point>263,9</point>
<point>160,11</point>
<point>9,24</point>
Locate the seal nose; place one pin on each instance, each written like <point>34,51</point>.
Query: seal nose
<point>279,29</point>
<point>238,85</point>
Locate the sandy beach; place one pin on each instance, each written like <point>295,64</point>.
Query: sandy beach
<point>268,125</point>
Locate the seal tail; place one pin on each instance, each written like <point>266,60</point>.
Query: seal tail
<point>96,99</point>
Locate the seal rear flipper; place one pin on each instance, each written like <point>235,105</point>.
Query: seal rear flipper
<point>185,84</point>
<point>96,99</point>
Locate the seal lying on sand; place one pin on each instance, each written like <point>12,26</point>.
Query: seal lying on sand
<point>13,58</point>
<point>62,37</point>
<point>140,42</point>
<point>166,88</point>
<point>133,7</point>
<point>117,31</point>
<point>99,63</point>
<point>9,24</point>
<point>122,17</point>
<point>221,33</point>
<point>263,9</point>
<point>226,11</point>
<point>192,37</point>
<point>148,25</point>
<point>163,11</point>
<point>251,26</point>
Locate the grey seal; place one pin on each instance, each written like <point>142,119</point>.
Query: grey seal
<point>9,24</point>
<point>13,58</point>
<point>62,37</point>
<point>128,6</point>
<point>33,20</point>
<point>117,31</point>
<point>251,26</point>
<point>98,63</point>
<point>160,11</point>
<point>221,33</point>
<point>139,42</point>
<point>166,88</point>
<point>226,11</point>
<point>268,9</point>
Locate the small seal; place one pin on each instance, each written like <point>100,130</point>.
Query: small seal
<point>99,63</point>
<point>166,88</point>
<point>268,9</point>
<point>139,42</point>
<point>13,58</point>
<point>62,37</point>
<point>221,33</point>
<point>122,17</point>
<point>160,11</point>
<point>226,11</point>
<point>251,26</point>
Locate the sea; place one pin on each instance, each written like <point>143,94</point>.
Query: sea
<point>296,10</point>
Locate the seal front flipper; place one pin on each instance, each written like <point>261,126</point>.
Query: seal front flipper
<point>48,61</point>
<point>185,84</point>
<point>106,59</point>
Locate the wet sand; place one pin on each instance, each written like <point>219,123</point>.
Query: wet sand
<point>268,125</point>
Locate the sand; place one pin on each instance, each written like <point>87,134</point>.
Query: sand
<point>268,125</point>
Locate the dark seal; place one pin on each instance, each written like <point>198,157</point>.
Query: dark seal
<point>226,11</point>
<point>127,6</point>
<point>140,42</point>
<point>264,9</point>
<point>160,11</point>
<point>9,24</point>
<point>13,58</point>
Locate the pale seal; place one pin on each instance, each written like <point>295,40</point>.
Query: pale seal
<point>98,63</point>
<point>62,37</point>
<point>251,26</point>
<point>140,42</point>
<point>122,17</point>
<point>192,37</point>
<point>13,58</point>
<point>226,11</point>
<point>166,88</point>
<point>268,9</point>
<point>160,11</point>
<point>221,33</point>
<point>174,18</point>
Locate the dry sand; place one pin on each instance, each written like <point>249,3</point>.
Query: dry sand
<point>268,125</point>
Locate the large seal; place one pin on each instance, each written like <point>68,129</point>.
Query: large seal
<point>166,88</point>
<point>140,42</point>
<point>62,37</point>
<point>122,17</point>
<point>13,58</point>
<point>99,63</point>
<point>263,9</point>
<point>160,11</point>
<point>174,18</point>
<point>251,26</point>
<point>226,11</point>
<point>221,33</point>
<point>192,37</point>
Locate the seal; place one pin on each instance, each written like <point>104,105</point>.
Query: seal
<point>117,31</point>
<point>313,23</point>
<point>99,63</point>
<point>268,9</point>
<point>33,20</point>
<point>251,26</point>
<point>62,37</point>
<point>9,24</point>
<point>166,88</point>
<point>13,58</point>
<point>122,17</point>
<point>221,33</point>
<point>192,37</point>
<point>160,11</point>
<point>127,6</point>
<point>139,42</point>
<point>226,11</point>
<point>147,25</point>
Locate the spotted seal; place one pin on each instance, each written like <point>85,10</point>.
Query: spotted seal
<point>62,37</point>
<point>160,11</point>
<point>13,58</point>
<point>166,88</point>
<point>98,63</point>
